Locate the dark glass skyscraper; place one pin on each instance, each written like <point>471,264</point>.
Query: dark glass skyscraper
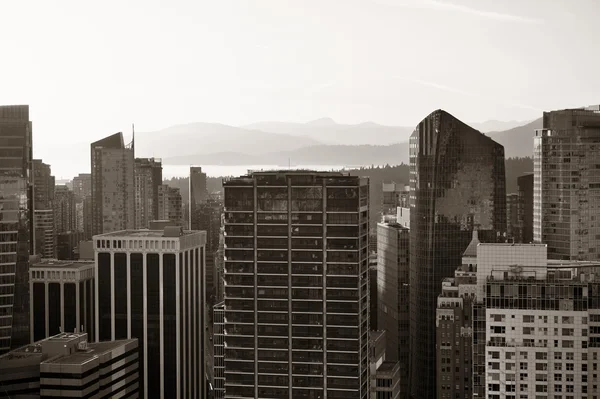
<point>457,183</point>
<point>16,224</point>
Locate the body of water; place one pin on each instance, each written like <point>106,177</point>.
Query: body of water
<point>170,171</point>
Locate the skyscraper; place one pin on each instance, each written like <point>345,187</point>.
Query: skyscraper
<point>148,178</point>
<point>169,204</point>
<point>296,285</point>
<point>393,295</point>
<point>82,189</point>
<point>198,193</point>
<point>567,184</point>
<point>16,224</point>
<point>113,190</point>
<point>457,183</point>
<point>43,182</point>
<point>525,210</point>
<point>82,186</point>
<point>512,217</point>
<point>43,190</point>
<point>149,286</point>
<point>64,210</point>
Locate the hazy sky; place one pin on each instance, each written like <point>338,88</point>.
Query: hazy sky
<point>89,69</point>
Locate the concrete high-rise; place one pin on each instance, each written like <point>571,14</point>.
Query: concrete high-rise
<point>43,183</point>
<point>113,188</point>
<point>170,204</point>
<point>82,189</point>
<point>67,366</point>
<point>16,224</point>
<point>198,192</point>
<point>567,184</point>
<point>149,286</point>
<point>525,210</point>
<point>296,285</point>
<point>62,298</point>
<point>148,178</point>
<point>393,316</point>
<point>65,210</point>
<point>457,183</point>
<point>43,190</point>
<point>82,186</point>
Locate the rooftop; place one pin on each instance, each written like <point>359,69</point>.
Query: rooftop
<point>93,350</point>
<point>64,264</point>
<point>387,366</point>
<point>167,232</point>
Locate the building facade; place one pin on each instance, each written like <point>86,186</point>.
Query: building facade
<point>148,178</point>
<point>113,188</point>
<point>17,233</point>
<point>392,289</point>
<point>149,286</point>
<point>525,211</point>
<point>62,298</point>
<point>512,217</point>
<point>218,357</point>
<point>65,211</point>
<point>457,183</point>
<point>170,204</point>
<point>43,185</point>
<point>45,233</point>
<point>296,285</point>
<point>198,191</point>
<point>66,365</point>
<point>567,184</point>
<point>394,195</point>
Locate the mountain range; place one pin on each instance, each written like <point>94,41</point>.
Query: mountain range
<point>318,142</point>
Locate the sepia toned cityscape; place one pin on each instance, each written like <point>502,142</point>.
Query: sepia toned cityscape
<point>170,230</point>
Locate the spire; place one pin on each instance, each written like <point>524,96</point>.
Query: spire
<point>133,138</point>
<point>471,250</point>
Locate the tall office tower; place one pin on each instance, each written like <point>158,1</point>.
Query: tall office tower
<point>198,192</point>
<point>45,233</point>
<point>512,217</point>
<point>113,189</point>
<point>64,209</point>
<point>457,183</point>
<point>66,365</point>
<point>296,285</point>
<point>149,286</point>
<point>218,357</point>
<point>88,216</point>
<point>207,217</point>
<point>454,328</point>
<point>566,162</point>
<point>82,186</point>
<point>43,183</point>
<point>169,204</point>
<point>16,224</point>
<point>62,298</point>
<point>393,314</point>
<point>148,177</point>
<point>525,211</point>
<point>394,195</point>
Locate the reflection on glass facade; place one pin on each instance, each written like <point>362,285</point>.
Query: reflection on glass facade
<point>457,183</point>
<point>567,184</point>
<point>16,225</point>
<point>158,296</point>
<point>296,285</point>
<point>393,295</point>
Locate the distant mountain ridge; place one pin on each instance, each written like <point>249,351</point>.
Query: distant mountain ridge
<point>319,142</point>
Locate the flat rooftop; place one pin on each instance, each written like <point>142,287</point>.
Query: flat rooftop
<point>63,264</point>
<point>145,233</point>
<point>93,350</point>
<point>387,366</point>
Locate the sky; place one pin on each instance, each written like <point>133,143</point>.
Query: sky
<point>89,69</point>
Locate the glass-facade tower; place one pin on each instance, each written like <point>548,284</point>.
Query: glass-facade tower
<point>16,224</point>
<point>566,162</point>
<point>457,183</point>
<point>296,285</point>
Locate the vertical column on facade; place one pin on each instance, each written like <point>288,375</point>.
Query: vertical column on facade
<point>179,394</point>
<point>191,324</point>
<point>31,297</point>
<point>145,312</point>
<point>255,223</point>
<point>77,305</point>
<point>290,312</point>
<point>324,319</point>
<point>161,321</point>
<point>184,316</point>
<point>62,301</point>
<point>129,316</point>
<point>96,306</point>
<point>112,295</point>
<point>47,306</point>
